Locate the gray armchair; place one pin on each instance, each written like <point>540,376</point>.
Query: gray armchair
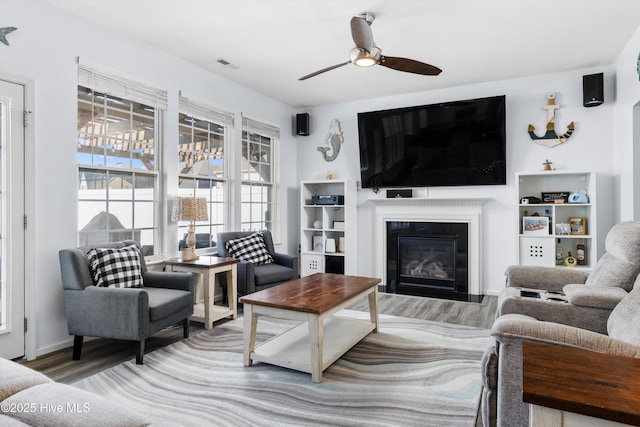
<point>122,313</point>
<point>502,403</point>
<point>253,278</point>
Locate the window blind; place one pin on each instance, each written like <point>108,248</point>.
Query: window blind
<point>206,112</point>
<point>261,128</point>
<point>111,83</point>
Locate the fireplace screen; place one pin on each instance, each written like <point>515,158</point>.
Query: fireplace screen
<point>427,261</point>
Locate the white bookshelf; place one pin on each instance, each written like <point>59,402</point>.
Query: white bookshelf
<point>336,221</point>
<point>540,249</point>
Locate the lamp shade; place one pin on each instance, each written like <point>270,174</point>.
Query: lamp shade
<point>190,209</point>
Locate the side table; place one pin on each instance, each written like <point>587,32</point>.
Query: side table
<point>208,266</point>
<point>573,387</point>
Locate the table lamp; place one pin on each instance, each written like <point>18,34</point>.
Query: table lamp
<point>190,209</point>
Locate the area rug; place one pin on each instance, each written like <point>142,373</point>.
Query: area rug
<point>411,373</point>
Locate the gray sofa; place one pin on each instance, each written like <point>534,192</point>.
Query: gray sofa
<point>29,398</point>
<point>253,278</point>
<point>502,403</point>
<point>122,313</point>
<point>590,296</point>
<point>600,312</point>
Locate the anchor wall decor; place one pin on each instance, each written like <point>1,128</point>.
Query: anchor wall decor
<point>550,138</point>
<point>3,34</point>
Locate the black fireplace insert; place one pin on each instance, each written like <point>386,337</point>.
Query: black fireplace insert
<point>429,259</point>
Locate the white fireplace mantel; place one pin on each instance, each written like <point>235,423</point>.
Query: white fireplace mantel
<point>462,210</point>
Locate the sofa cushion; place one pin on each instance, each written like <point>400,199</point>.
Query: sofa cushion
<point>272,273</point>
<point>116,267</point>
<point>62,405</point>
<point>611,271</point>
<point>620,265</point>
<point>7,421</point>
<point>594,296</point>
<point>15,377</point>
<point>250,248</point>
<point>164,302</point>
<point>624,321</point>
<point>622,241</point>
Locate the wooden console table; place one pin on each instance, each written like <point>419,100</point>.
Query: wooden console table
<point>321,338</point>
<point>208,266</point>
<point>576,387</point>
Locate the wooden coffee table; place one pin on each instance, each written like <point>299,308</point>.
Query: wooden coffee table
<point>322,337</point>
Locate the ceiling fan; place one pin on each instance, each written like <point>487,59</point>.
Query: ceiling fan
<point>367,54</point>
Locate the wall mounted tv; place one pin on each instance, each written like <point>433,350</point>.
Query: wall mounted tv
<point>448,144</point>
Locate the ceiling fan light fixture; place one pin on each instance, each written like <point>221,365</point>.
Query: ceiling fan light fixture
<point>362,58</point>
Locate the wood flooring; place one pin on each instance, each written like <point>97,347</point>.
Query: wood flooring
<point>99,354</point>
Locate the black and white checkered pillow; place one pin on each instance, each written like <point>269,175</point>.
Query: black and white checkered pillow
<point>116,268</point>
<point>251,248</point>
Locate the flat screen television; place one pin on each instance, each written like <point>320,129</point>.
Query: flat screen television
<point>447,144</point>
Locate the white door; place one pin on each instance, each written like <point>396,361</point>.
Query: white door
<point>12,235</point>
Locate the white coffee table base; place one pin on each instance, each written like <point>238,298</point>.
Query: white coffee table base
<point>313,345</point>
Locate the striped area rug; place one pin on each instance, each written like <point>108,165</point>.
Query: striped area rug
<point>411,373</point>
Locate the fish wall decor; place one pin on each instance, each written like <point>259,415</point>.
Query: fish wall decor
<point>334,140</point>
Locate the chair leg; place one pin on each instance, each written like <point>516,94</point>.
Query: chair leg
<point>140,353</point>
<point>185,327</point>
<point>77,347</point>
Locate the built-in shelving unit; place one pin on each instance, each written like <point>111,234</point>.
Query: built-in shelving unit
<point>543,247</point>
<point>329,231</point>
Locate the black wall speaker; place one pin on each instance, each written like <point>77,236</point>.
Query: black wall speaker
<point>334,264</point>
<point>302,124</point>
<point>592,90</point>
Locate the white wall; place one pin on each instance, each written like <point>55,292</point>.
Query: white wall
<point>44,50</point>
<point>589,148</point>
<point>627,130</point>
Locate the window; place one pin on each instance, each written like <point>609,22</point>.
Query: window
<point>118,128</point>
<point>203,132</point>
<point>258,177</point>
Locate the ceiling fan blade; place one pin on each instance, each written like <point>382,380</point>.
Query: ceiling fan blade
<point>361,33</point>
<point>409,66</point>
<point>324,70</point>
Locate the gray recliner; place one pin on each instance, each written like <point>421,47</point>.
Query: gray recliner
<point>590,296</point>
<point>122,313</point>
<point>502,401</point>
<point>582,305</point>
<point>253,278</point>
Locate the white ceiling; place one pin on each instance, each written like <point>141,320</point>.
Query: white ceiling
<point>271,43</point>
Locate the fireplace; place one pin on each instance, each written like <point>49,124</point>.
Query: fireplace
<point>430,247</point>
<point>428,259</point>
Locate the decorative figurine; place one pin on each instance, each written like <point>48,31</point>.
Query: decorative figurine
<point>335,139</point>
<point>547,165</point>
<point>550,138</point>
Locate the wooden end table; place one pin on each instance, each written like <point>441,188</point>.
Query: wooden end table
<point>577,387</point>
<point>206,311</point>
<point>321,338</point>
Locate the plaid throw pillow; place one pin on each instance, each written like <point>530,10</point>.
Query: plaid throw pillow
<point>251,248</point>
<point>116,268</point>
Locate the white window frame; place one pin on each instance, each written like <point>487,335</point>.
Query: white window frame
<point>271,131</point>
<point>110,83</point>
<point>201,111</point>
